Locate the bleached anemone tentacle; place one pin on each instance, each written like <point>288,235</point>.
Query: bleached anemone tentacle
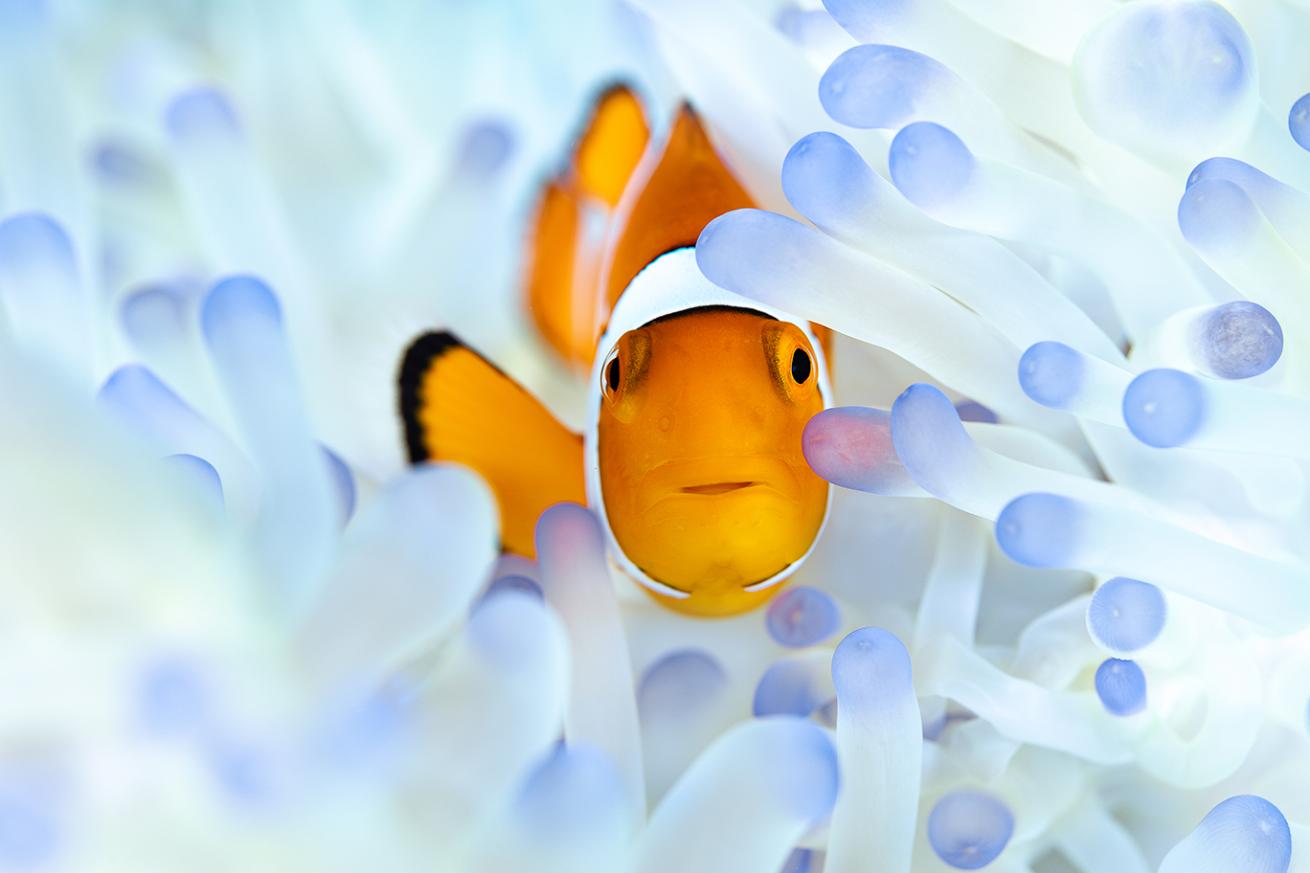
<point>801,616</point>
<point>602,708</point>
<point>937,172</point>
<point>1235,340</point>
<point>507,667</point>
<point>949,604</point>
<point>830,184</point>
<point>47,307</point>
<point>939,454</point>
<point>570,814</point>
<point>1086,221</point>
<point>1126,614</point>
<point>1042,529</point>
<point>879,744</point>
<point>1061,377</point>
<point>887,87</point>
<point>1298,121</point>
<point>1242,833</point>
<point>1022,82</point>
<point>1095,841</point>
<point>969,829</point>
<point>684,701</point>
<point>402,551</point>
<point>1167,408</point>
<point>157,414</point>
<point>798,685</point>
<point>780,777</point>
<point>1223,224</point>
<point>242,324</point>
<point>776,260</point>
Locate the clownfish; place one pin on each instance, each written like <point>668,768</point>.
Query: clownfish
<point>691,457</point>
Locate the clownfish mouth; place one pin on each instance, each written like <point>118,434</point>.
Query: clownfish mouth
<point>709,480</point>
<point>713,488</point>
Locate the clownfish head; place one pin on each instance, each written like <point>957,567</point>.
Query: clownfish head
<point>698,453</point>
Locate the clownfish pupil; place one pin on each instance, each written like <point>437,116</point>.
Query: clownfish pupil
<point>800,366</point>
<point>612,373</point>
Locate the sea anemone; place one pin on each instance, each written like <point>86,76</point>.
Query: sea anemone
<point>1059,618</point>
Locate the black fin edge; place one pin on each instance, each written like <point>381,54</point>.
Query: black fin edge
<point>418,359</point>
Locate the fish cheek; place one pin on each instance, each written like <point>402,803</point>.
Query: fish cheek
<point>621,462</point>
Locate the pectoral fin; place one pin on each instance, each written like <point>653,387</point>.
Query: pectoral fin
<point>459,407</point>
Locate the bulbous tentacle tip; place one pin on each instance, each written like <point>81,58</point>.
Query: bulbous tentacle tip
<point>132,385</point>
<point>196,469</point>
<point>1039,530</point>
<point>1126,614</point>
<point>1240,339</point>
<point>29,236</point>
<point>1298,122</point>
<point>568,525</point>
<point>862,19</point>
<point>802,616</point>
<point>512,583</point>
<point>1121,686</point>
<point>568,792</point>
<point>851,446</point>
<point>922,399</point>
<point>680,682</point>
<point>825,178</point>
<point>969,829</point>
<point>1164,408</point>
<point>929,164</point>
<point>877,86</point>
<point>200,111</point>
<point>1229,169</point>
<point>929,437</point>
<point>507,625</point>
<point>237,301</point>
<point>726,244</point>
<point>871,668</point>
<point>1216,215</point>
<point>1051,373</point>
<point>794,686</point>
<point>1163,73</point>
<point>1243,834</point>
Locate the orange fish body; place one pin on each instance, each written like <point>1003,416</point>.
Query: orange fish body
<point>692,451</point>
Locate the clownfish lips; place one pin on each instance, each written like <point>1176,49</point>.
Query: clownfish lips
<point>724,478</point>
<point>715,488</point>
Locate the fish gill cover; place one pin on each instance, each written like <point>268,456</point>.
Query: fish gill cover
<point>1059,618</point>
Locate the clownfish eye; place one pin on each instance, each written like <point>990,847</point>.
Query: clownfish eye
<point>800,366</point>
<point>611,375</point>
<point>791,360</point>
<point>622,373</point>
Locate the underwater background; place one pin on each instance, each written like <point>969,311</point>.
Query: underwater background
<point>1059,619</point>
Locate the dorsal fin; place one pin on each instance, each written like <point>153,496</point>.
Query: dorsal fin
<point>673,199</point>
<point>611,146</point>
<point>567,232</point>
